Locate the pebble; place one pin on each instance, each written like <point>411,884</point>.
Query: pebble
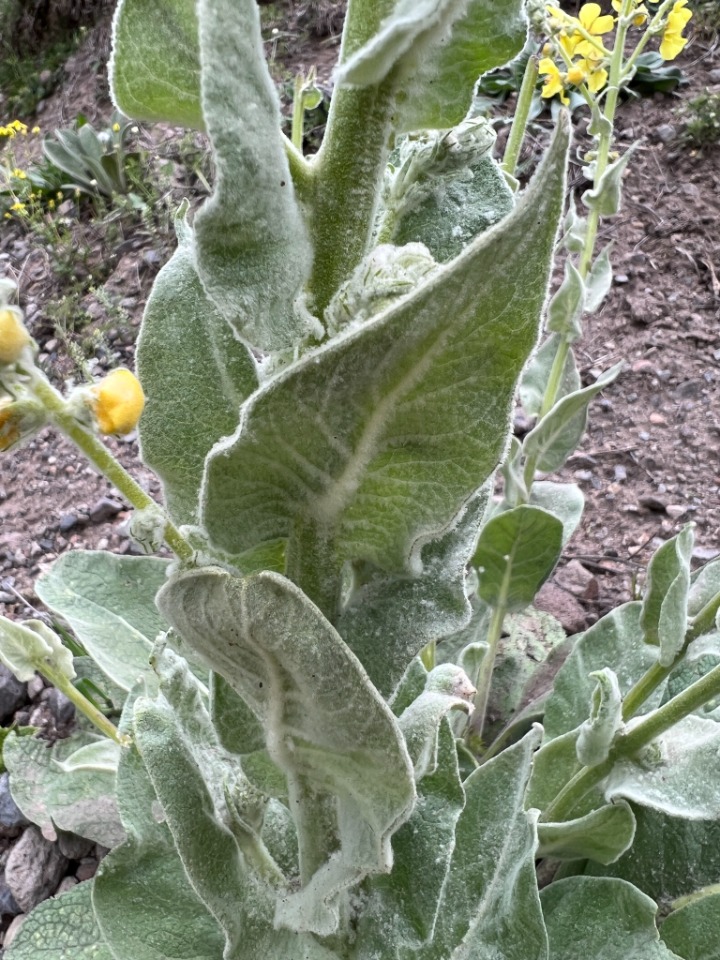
<point>105,509</point>
<point>67,883</point>
<point>34,869</point>
<point>13,694</point>
<point>61,707</point>
<point>35,687</point>
<point>665,132</point>
<point>86,869</point>
<point>576,579</point>
<point>12,819</point>
<point>565,608</point>
<point>675,510</point>
<point>72,846</point>
<point>67,522</point>
<point>8,905</point>
<point>12,930</point>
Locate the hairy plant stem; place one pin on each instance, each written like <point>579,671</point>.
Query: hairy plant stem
<point>628,744</point>
<point>487,666</point>
<point>311,563</point>
<point>98,454</point>
<point>652,678</point>
<point>520,120</point>
<point>88,709</point>
<point>604,143</point>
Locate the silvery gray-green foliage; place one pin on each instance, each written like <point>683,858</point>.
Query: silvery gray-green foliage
<point>330,360</point>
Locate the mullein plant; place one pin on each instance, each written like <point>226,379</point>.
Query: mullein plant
<point>315,733</point>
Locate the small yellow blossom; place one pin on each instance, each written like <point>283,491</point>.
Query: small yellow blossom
<point>116,128</point>
<point>672,40</point>
<point>35,130</point>
<point>596,76</point>
<point>118,401</point>
<point>18,207</point>
<point>638,10</point>
<point>19,174</point>
<point>576,74</point>
<point>51,204</point>
<point>591,18</point>
<point>13,335</point>
<point>554,80</point>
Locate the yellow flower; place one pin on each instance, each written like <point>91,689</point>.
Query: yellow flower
<point>13,335</point>
<point>18,126</point>
<point>118,401</point>
<point>576,74</point>
<point>18,207</point>
<point>596,76</point>
<point>672,40</point>
<point>554,82</point>
<point>116,128</point>
<point>19,174</point>
<point>591,19</point>
<point>35,130</point>
<point>638,10</point>
<point>51,204</point>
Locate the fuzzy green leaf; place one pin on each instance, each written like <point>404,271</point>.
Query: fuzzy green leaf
<point>390,619</point>
<point>671,857</point>
<point>30,646</point>
<point>598,732</point>
<point>252,249</point>
<point>445,47</point>
<point>490,905</point>
<point>195,375</point>
<point>565,310</point>
<point>155,63</point>
<point>557,435</point>
<point>80,801</point>
<point>143,900</point>
<point>599,281</point>
<point>615,641</point>
<point>109,602</point>
<point>63,928</point>
<point>327,728</point>
<point>602,835</point>
<point>446,210</point>
<point>400,913</point>
<point>601,918</point>
<point>517,552</point>
<point>677,773</point>
<point>664,617</point>
<point>605,197</point>
<point>564,500</point>
<point>377,439</point>
<point>535,378</point>
<point>692,931</point>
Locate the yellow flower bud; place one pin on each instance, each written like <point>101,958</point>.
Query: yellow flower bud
<point>118,401</point>
<point>13,335</point>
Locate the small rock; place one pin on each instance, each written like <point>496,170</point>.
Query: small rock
<point>658,419</point>
<point>8,906</point>
<point>576,579</point>
<point>35,687</point>
<point>714,75</point>
<point>665,132</point>
<point>34,869</point>
<point>12,930</point>
<point>13,694</point>
<point>583,475</point>
<point>675,510</point>
<point>61,707</point>
<point>705,553</point>
<point>12,819</point>
<point>86,869</point>
<point>67,883</point>
<point>72,846</point>
<point>620,473</point>
<point>644,436</point>
<point>621,278</point>
<point>105,509</point>
<point>67,522</point>
<point>552,599</point>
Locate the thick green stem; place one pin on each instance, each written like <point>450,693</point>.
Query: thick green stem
<point>348,171</point>
<point>88,709</point>
<point>484,683</point>
<point>100,456</point>
<point>520,120</point>
<point>298,115</point>
<point>651,680</point>
<point>312,563</point>
<point>629,744</point>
